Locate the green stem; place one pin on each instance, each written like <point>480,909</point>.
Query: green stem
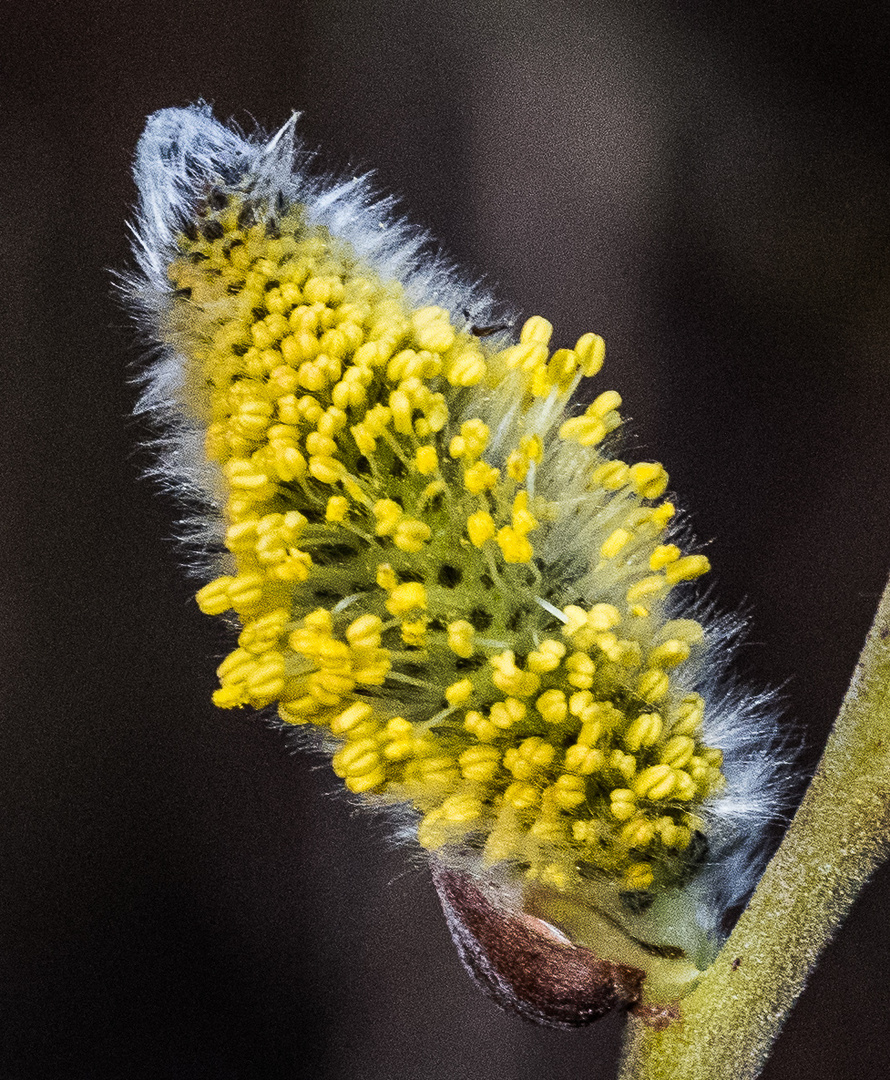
<point>836,840</point>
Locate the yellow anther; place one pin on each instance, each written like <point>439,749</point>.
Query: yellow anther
<point>509,678</point>
<point>351,718</point>
<point>533,448</point>
<point>523,520</point>
<point>687,568</point>
<point>326,470</point>
<point>669,654</point>
<point>296,566</point>
<point>461,808</point>
<point>309,409</point>
<point>581,670</point>
<point>332,422</point>
<point>334,654</point>
<point>685,787</point>
<point>245,592</point>
<point>323,290</point>
<point>611,476</point>
<point>432,329</point>
<point>349,393</point>
<point>653,685</point>
<point>459,693</point>
<point>546,657</point>
<point>638,833</point>
<point>552,705</point>
<point>623,803</point>
<point>625,764</point>
<point>370,781</point>
<point>402,412</point>
<point>289,409</point>
<point>243,475</point>
<point>541,380</point>
<point>365,440</point>
<point>480,763</point>
<point>480,527</point>
<point>677,751</point>
<point>604,404</point>
<point>236,666</point>
<point>527,356</point>
<point>410,535</point>
<point>662,514</point>
<point>645,731</point>
<point>591,352</point>
<point>579,702</point>
<point>655,783</point>
<point>476,724</point>
<point>603,617</point>
<point>457,447</point>
<point>649,479</point>
<point>673,835</point>
<point>356,758</point>
<point>460,638</point>
<point>468,368</point>
<point>617,540</point>
<point>229,697</point>
<point>333,343</point>
<point>689,715</point>
<point>517,466</point>
<point>529,758</point>
<point>214,598</point>
<point>398,728</point>
<point>260,635</point>
<point>504,714</point>
<point>414,632</point>
<point>330,686</point>
<point>576,618</point>
<point>536,330</point>
<point>282,380</point>
<point>584,759</point>
<point>299,710</point>
<point>426,460</point>
<point>521,796</point>
<point>387,512</point>
<point>386,577</point>
<point>663,555</point>
<point>515,546</point>
<point>433,770</point>
<point>569,792</point>
<point>402,365</point>
<point>336,510</point>
<point>480,477</point>
<point>254,416</point>
<point>406,597</point>
<point>647,586</point>
<point>585,430</point>
<point>561,369</point>
<point>473,439</point>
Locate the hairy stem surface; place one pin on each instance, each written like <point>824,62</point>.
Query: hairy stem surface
<point>836,840</point>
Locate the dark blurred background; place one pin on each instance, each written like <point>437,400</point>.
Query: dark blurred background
<point>707,186</point>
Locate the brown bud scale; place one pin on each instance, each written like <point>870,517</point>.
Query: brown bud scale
<point>527,966</point>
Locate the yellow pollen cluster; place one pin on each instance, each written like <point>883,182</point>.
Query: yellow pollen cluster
<point>411,579</point>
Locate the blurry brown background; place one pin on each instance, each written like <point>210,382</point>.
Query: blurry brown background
<point>707,185</point>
